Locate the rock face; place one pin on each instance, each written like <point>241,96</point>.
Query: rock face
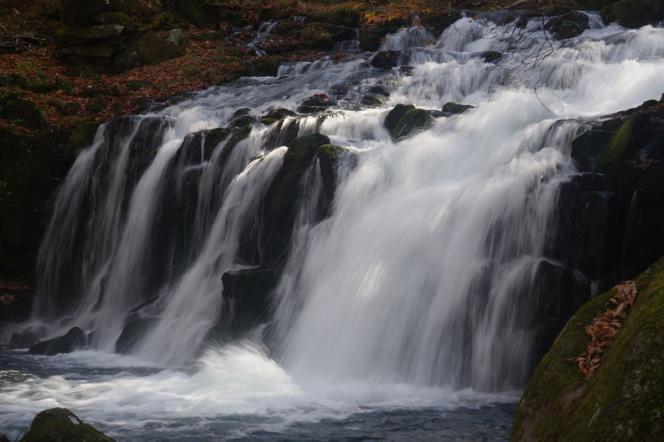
<point>608,215</point>
<point>60,425</point>
<point>246,299</point>
<point>74,339</point>
<point>405,119</point>
<point>569,25</point>
<point>607,225</point>
<point>634,13</point>
<point>622,400</point>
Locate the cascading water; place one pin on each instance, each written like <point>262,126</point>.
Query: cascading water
<point>411,290</point>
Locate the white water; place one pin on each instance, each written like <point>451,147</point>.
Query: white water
<point>406,294</point>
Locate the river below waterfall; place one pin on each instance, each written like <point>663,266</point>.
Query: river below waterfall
<point>405,313</point>
<point>239,394</point>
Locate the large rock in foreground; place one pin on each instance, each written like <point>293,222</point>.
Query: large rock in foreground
<point>622,400</point>
<point>61,425</point>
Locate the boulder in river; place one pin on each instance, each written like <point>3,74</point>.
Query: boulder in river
<point>61,425</point>
<point>74,339</point>
<point>569,25</point>
<point>315,103</point>
<point>406,119</point>
<point>451,108</point>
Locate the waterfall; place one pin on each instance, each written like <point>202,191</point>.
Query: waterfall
<point>423,269</point>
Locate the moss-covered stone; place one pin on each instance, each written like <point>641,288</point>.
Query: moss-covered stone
<point>405,119</point>
<point>609,160</point>
<point>60,425</point>
<point>329,156</point>
<point>282,196</point>
<point>451,108</point>
<point>83,12</point>
<point>622,401</point>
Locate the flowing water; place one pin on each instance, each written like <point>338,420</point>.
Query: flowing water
<point>404,315</point>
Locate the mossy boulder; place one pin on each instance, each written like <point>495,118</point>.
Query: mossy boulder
<point>267,66</point>
<point>634,13</point>
<point>281,198</point>
<point>622,400</point>
<point>60,425</point>
<point>406,119</point>
<point>451,108</point>
<point>329,158</point>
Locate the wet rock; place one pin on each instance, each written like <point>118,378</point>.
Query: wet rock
<point>371,101</point>
<point>451,108</point>
<point>284,133</point>
<point>405,120</point>
<point>59,425</point>
<point>279,210</point>
<point>246,299</point>
<point>4,438</point>
<point>275,115</point>
<point>329,158</point>
<point>634,13</point>
<point>147,49</point>
<point>379,89</point>
<point>569,25</point>
<point>315,103</point>
<point>242,121</point>
<point>25,338</point>
<point>134,329</point>
<point>406,70</point>
<point>73,340</point>
<point>386,59</point>
<point>491,56</point>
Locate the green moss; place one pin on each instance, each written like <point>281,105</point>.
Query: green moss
<point>404,120</point>
<point>609,160</point>
<point>623,399</point>
<point>60,424</point>
<point>238,135</point>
